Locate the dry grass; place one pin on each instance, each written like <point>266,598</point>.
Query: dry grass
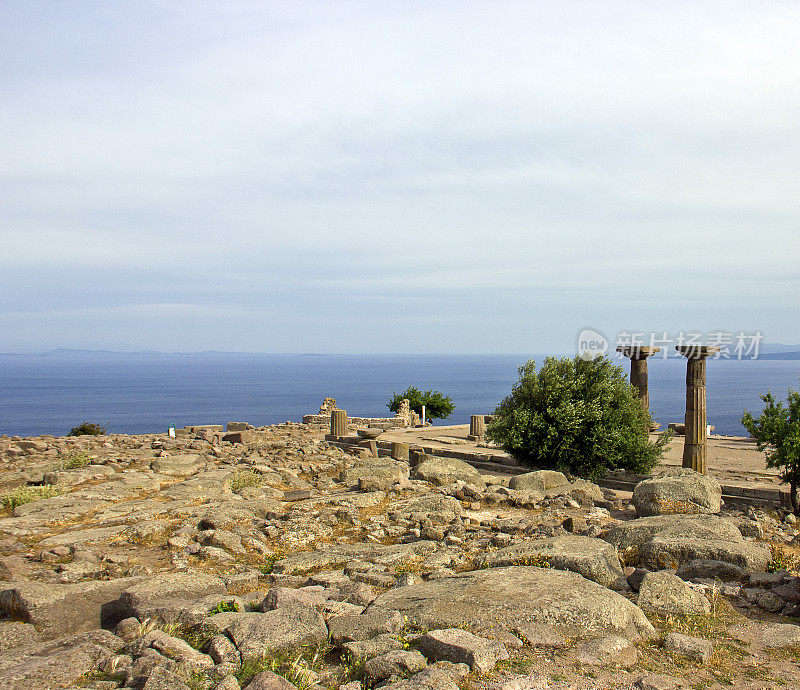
<point>29,494</point>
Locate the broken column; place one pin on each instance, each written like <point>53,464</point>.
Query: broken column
<point>400,450</point>
<point>477,427</point>
<point>338,423</point>
<point>638,356</point>
<point>694,448</point>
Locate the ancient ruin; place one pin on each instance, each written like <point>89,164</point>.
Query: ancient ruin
<point>696,430</point>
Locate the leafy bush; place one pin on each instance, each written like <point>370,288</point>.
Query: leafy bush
<point>777,431</point>
<point>577,416</point>
<point>437,405</point>
<point>87,429</point>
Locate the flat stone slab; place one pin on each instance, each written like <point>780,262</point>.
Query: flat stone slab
<point>595,559</point>
<point>513,596</point>
<point>57,609</point>
<point>56,664</point>
<point>181,465</point>
<point>334,557</point>
<point>258,634</point>
<point>83,536</point>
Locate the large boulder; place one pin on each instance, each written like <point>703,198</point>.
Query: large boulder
<point>595,559</point>
<point>445,471</point>
<point>677,491</point>
<point>669,541</point>
<point>540,480</point>
<point>514,596</point>
<point>551,483</point>
<point>424,507</point>
<point>664,593</point>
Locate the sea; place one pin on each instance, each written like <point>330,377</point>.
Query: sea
<point>138,393</point>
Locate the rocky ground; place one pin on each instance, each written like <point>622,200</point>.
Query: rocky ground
<point>275,559</point>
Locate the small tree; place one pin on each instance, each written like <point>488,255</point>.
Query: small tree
<point>437,405</point>
<point>777,431</point>
<point>577,416</point>
<point>87,429</point>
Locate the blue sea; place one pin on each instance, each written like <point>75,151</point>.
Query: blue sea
<point>146,393</point>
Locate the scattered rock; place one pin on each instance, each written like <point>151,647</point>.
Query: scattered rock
<point>665,593</point>
<point>461,647</point>
<point>693,648</point>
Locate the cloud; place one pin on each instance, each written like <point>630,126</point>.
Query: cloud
<point>487,161</point>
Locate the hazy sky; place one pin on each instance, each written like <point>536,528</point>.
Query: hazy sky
<point>396,176</point>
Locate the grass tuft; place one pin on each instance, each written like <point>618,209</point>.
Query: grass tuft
<point>29,494</point>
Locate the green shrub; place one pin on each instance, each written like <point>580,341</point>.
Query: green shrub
<point>577,416</point>
<point>437,405</point>
<point>87,429</point>
<point>777,431</point>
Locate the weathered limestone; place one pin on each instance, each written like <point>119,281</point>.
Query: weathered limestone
<point>338,423</point>
<point>638,356</point>
<point>695,451</point>
<point>477,427</point>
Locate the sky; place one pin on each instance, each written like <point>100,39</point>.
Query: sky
<point>397,176</point>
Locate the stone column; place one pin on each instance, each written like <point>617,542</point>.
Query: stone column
<point>477,427</point>
<point>695,452</point>
<point>339,423</point>
<point>638,356</point>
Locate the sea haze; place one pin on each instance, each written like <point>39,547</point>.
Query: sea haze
<point>147,392</point>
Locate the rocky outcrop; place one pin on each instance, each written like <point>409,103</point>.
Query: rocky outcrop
<point>201,553</point>
<point>669,541</point>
